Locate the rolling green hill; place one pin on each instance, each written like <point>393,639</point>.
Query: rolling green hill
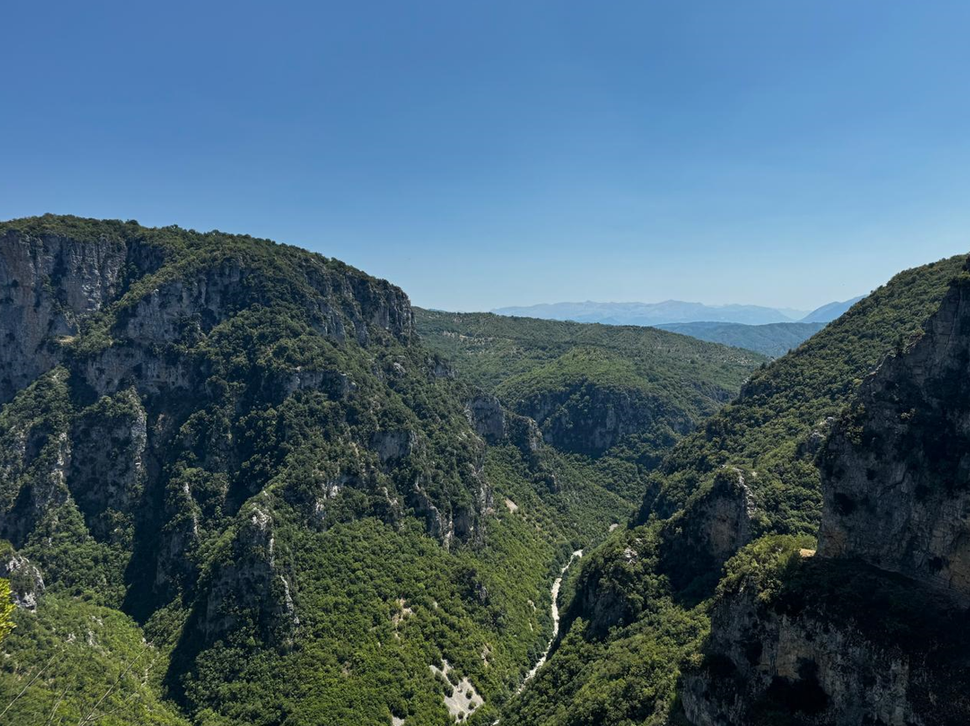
<point>488,349</point>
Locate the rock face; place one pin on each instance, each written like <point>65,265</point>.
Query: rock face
<point>897,470</point>
<point>716,523</point>
<point>495,425</point>
<point>591,419</point>
<point>775,668</point>
<point>250,585</point>
<point>872,629</point>
<point>393,445</point>
<point>159,386</point>
<point>48,285</point>
<point>602,592</point>
<point>54,279</point>
<point>108,467</point>
<point>26,581</point>
<point>35,457</point>
<point>444,524</point>
<point>487,417</point>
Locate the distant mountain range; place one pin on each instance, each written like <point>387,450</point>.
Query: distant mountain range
<point>772,339</point>
<point>830,312</point>
<point>674,311</point>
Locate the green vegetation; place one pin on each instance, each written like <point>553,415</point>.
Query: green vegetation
<point>770,428</point>
<point>78,662</point>
<point>256,496</point>
<point>488,349</point>
<point>246,471</point>
<point>624,675</point>
<point>626,613</point>
<point>765,566</point>
<point>6,609</point>
<point>620,395</point>
<point>771,339</point>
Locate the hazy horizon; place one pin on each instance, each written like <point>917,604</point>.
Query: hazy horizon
<point>779,308</point>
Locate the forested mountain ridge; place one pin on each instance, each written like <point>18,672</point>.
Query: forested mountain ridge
<point>236,488</point>
<point>771,339</point>
<point>872,627</point>
<point>493,348</point>
<point>621,395</point>
<point>641,601</point>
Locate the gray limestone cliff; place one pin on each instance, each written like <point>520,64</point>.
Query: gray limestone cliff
<point>897,469</point>
<point>50,283</point>
<point>809,661</point>
<point>590,419</point>
<point>872,628</point>
<point>716,522</point>
<point>156,384</point>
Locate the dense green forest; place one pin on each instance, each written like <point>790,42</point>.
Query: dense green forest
<point>489,349</point>
<point>639,607</point>
<point>243,483</point>
<point>616,396</point>
<point>238,486</point>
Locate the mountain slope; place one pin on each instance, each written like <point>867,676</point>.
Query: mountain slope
<point>643,314</point>
<point>491,348</point>
<point>831,311</point>
<point>239,458</point>
<point>621,395</point>
<point>640,602</point>
<point>772,340</point>
<point>892,572</point>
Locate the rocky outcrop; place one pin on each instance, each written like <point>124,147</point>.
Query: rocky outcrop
<point>896,472</point>
<point>715,524</point>
<point>393,446</point>
<point>349,302</point>
<point>48,285</point>
<point>872,628</point>
<point>108,467</point>
<point>248,586</point>
<point>590,419</point>
<point>448,521</point>
<point>605,584</point>
<point>495,425</point>
<point>809,446</point>
<point>487,417</point>
<point>337,385</point>
<point>811,667</point>
<point>191,305</point>
<point>151,372</point>
<point>179,534</point>
<point>26,581</point>
<point>35,457</point>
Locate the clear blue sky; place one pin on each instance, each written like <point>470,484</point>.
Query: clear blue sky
<point>485,153</point>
